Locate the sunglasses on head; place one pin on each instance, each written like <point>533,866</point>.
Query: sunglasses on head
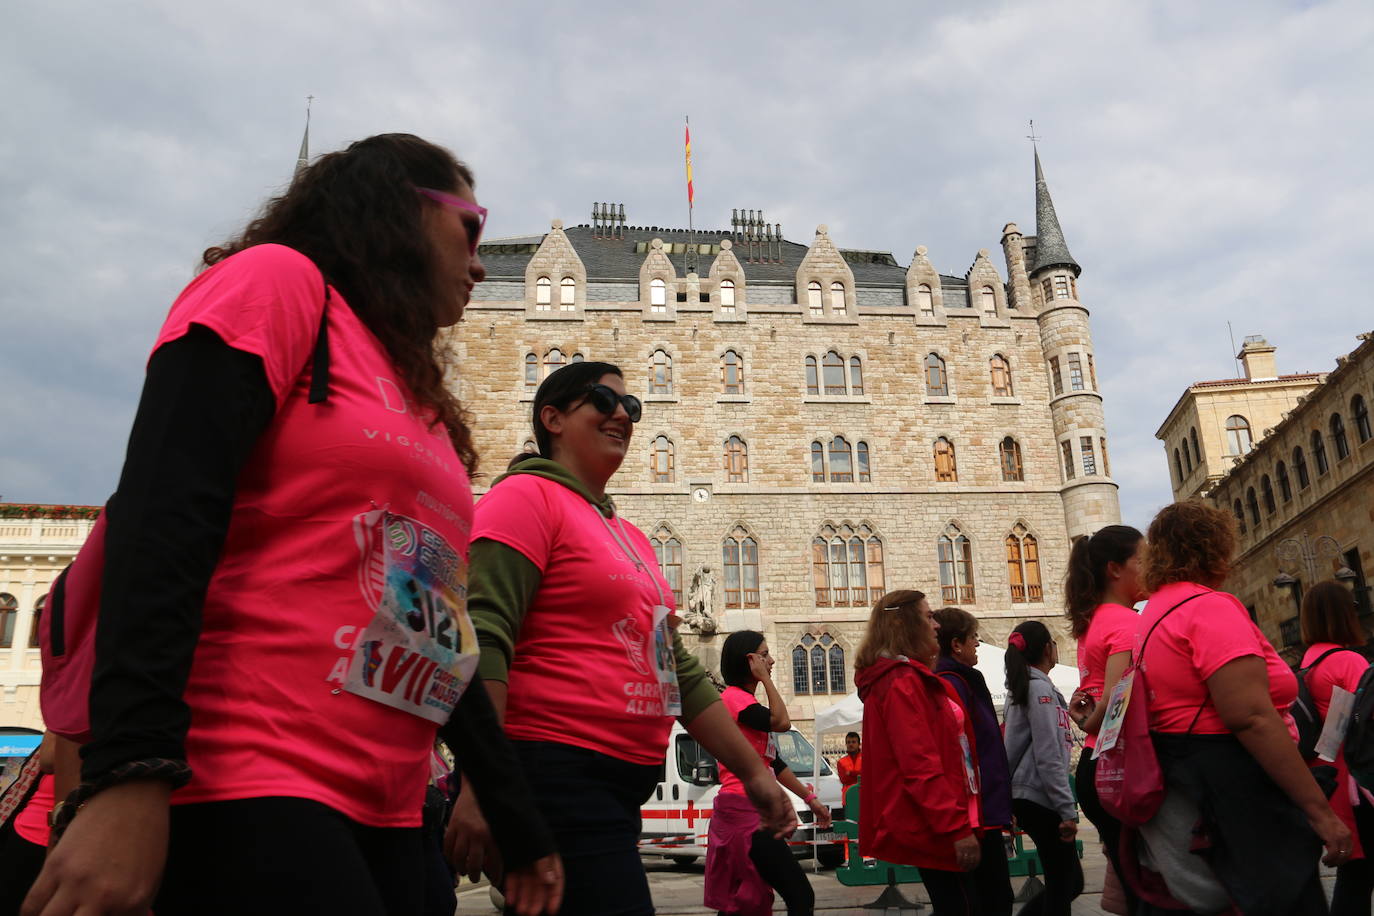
<point>604,398</point>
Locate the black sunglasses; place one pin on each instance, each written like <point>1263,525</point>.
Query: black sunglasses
<point>605,399</point>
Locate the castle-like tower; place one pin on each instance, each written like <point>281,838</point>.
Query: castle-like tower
<point>821,424</point>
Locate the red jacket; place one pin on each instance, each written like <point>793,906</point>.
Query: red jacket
<point>914,803</point>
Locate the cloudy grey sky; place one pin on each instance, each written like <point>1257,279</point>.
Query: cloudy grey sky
<point>1209,162</point>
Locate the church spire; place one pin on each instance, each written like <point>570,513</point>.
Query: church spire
<point>303,157</point>
<point>1050,248</point>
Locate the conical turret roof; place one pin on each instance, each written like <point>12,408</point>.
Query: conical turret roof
<point>1050,248</point>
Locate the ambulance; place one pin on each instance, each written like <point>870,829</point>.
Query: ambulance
<point>674,821</point>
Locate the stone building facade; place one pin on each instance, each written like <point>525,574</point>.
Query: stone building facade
<point>1304,502</point>
<point>1215,423</point>
<point>821,424</point>
<point>36,544</point>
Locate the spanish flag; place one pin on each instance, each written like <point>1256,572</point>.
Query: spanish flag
<point>688,140</point>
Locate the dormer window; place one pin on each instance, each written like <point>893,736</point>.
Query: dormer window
<point>813,299</point>
<point>658,295</point>
<point>925,304</point>
<point>727,296</point>
<point>543,294</point>
<point>567,300</point>
<point>837,298</point>
<point>989,299</point>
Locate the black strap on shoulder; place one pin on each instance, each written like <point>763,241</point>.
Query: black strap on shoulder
<point>1205,696</point>
<point>319,363</point>
<point>1321,658</point>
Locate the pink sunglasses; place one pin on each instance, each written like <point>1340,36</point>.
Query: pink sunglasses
<point>450,200</point>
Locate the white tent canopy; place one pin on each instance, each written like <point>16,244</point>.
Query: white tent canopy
<point>849,713</point>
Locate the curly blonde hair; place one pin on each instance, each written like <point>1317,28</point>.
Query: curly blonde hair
<point>1190,541</point>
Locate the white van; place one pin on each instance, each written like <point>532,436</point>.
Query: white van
<point>674,821</point>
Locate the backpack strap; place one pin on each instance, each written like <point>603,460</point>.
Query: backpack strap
<point>319,362</point>
<point>1197,715</point>
<point>1304,672</point>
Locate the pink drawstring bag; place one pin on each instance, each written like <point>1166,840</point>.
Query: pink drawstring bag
<point>66,636</point>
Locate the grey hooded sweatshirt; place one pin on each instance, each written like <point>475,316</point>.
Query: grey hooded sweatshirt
<point>1039,737</point>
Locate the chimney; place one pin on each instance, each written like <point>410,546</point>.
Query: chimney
<point>1257,356</point>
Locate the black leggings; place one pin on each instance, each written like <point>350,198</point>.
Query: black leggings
<point>1063,873</point>
<point>20,863</point>
<point>985,891</point>
<point>775,864</point>
<point>1355,879</point>
<point>1108,827</point>
<point>287,856</point>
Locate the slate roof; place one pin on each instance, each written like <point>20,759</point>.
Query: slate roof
<point>616,259</point>
<point>1050,248</point>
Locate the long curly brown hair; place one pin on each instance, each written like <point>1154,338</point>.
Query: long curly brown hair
<point>355,213</point>
<point>1190,541</point>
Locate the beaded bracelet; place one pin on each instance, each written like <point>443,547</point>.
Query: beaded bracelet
<point>175,772</point>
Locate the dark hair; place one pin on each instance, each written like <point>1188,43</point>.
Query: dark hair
<point>734,656</point>
<point>355,213</point>
<point>848,735</point>
<point>1190,541</point>
<point>1087,577</point>
<point>955,623</point>
<point>1328,615</point>
<point>1019,662</point>
<point>560,389</point>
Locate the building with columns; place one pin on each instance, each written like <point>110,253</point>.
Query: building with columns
<point>821,424</point>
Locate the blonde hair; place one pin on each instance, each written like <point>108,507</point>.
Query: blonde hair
<point>895,627</point>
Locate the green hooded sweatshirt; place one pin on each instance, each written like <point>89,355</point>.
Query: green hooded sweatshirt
<point>502,584</point>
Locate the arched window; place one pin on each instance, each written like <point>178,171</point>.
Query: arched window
<point>925,304</point>
<point>956,566</point>
<point>813,298</point>
<point>856,375</point>
<point>837,298</point>
<point>801,673</point>
<point>530,446</point>
<point>9,612</point>
<point>38,607</point>
<point>818,666</point>
<point>818,679</point>
<point>817,462</point>
<point>1338,438</point>
<point>989,299</point>
<point>813,384</point>
<point>543,293</point>
<point>937,383</point>
<point>658,295</point>
<point>1000,370</point>
<point>847,566</point>
<point>832,373</point>
<point>553,361</point>
<point>946,469</point>
<point>1267,491</point>
<point>1285,489</point>
<point>578,357</point>
<point>740,559</point>
<point>865,475</point>
<point>1009,450</point>
<point>1023,566</point>
<point>1252,504</point>
<point>841,470</point>
<point>1240,515</point>
<point>727,295</point>
<point>1300,468</point>
<point>567,297</point>
<point>1319,453</point>
<point>731,373</point>
<point>1197,455</point>
<point>661,373</point>
<point>1237,435</point>
<point>1360,411</point>
<point>837,673</point>
<point>1178,466</point>
<point>1187,459</point>
<point>736,460</point>
<point>661,470</point>
<point>531,371</point>
<point>669,551</point>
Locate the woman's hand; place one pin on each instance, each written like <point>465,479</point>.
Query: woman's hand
<point>823,821</point>
<point>110,859</point>
<point>1081,707</point>
<point>1335,836</point>
<point>1068,830</point>
<point>468,844</point>
<point>968,853</point>
<point>776,814</point>
<point>535,888</point>
<point>758,667</point>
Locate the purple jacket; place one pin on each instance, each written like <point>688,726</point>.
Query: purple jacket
<point>994,771</point>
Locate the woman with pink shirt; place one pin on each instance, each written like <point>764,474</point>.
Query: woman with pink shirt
<point>1333,637</point>
<point>282,626</point>
<point>580,653</point>
<point>1242,816</point>
<point>1101,590</point>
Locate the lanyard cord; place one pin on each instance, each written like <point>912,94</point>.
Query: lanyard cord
<point>624,544</point>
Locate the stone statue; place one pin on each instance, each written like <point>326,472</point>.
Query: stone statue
<point>701,595</point>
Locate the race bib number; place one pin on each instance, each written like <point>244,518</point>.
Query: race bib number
<point>1115,715</point>
<point>665,662</point>
<point>419,652</point>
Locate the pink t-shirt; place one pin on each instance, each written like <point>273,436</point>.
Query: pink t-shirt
<point>1191,645</point>
<point>736,700</point>
<point>31,823</point>
<point>1111,630</point>
<point>1340,669</point>
<point>583,669</point>
<point>335,631</point>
